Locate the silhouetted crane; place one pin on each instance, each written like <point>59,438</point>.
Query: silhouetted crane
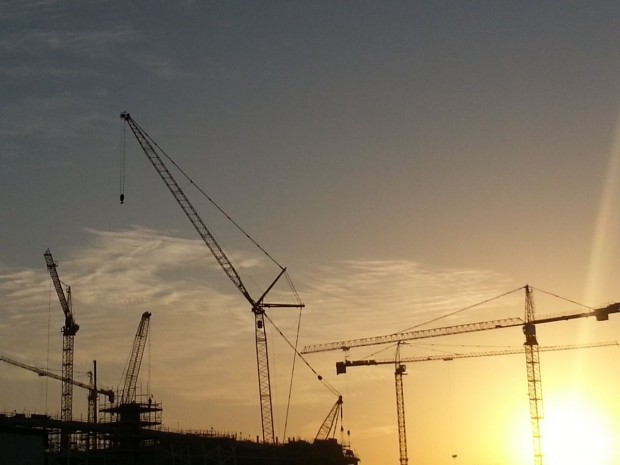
<point>132,369</point>
<point>68,339</point>
<point>329,424</point>
<point>400,370</point>
<point>528,325</point>
<point>258,306</point>
<point>93,389</point>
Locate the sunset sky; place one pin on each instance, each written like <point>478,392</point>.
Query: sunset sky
<point>403,159</point>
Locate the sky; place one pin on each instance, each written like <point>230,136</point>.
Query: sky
<point>403,159</point>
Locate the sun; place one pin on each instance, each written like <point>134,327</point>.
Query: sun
<point>575,431</point>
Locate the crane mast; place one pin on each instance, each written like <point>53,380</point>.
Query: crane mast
<point>534,384</point>
<point>258,306</point>
<point>69,330</point>
<point>130,375</point>
<point>399,371</point>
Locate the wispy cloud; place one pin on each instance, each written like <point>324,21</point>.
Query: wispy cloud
<point>202,331</point>
<point>92,44</point>
<point>161,67</point>
<point>372,297</point>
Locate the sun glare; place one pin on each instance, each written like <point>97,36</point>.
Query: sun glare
<point>575,432</point>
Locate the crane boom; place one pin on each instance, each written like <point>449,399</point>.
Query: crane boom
<point>329,424</point>
<point>600,314</point>
<point>41,372</point>
<point>341,367</point>
<point>130,376</point>
<point>258,306</point>
<point>186,205</point>
<point>70,326</point>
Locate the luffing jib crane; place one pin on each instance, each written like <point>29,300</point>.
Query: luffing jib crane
<point>130,375</point>
<point>329,424</point>
<point>400,369</point>
<point>258,306</point>
<point>69,330</point>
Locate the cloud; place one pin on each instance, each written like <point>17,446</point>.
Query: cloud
<point>92,44</point>
<point>202,349</point>
<point>361,298</point>
<point>161,67</point>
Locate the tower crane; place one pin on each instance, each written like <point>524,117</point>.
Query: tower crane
<point>400,369</point>
<point>92,389</point>
<point>601,314</point>
<point>528,325</point>
<point>69,330</point>
<point>258,306</point>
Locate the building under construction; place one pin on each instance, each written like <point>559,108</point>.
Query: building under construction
<point>126,428</point>
<point>36,440</point>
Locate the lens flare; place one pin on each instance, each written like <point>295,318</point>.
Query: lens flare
<point>605,235</point>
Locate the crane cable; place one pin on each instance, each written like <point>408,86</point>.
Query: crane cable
<point>290,387</point>
<point>295,293</point>
<point>469,307</point>
<point>562,298</point>
<point>205,195</point>
<point>332,389</point>
<point>489,300</point>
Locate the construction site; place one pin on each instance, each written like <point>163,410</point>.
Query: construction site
<point>124,425</point>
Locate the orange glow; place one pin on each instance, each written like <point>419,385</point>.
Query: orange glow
<point>576,432</point>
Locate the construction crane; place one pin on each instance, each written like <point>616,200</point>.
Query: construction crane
<point>534,385</point>
<point>258,306</point>
<point>399,372</point>
<point>341,367</point>
<point>329,424</point>
<point>601,314</point>
<point>92,388</point>
<point>400,369</point>
<point>132,369</point>
<point>129,412</point>
<point>528,325</point>
<point>69,330</point>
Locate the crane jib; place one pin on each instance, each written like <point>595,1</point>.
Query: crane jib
<point>186,206</point>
